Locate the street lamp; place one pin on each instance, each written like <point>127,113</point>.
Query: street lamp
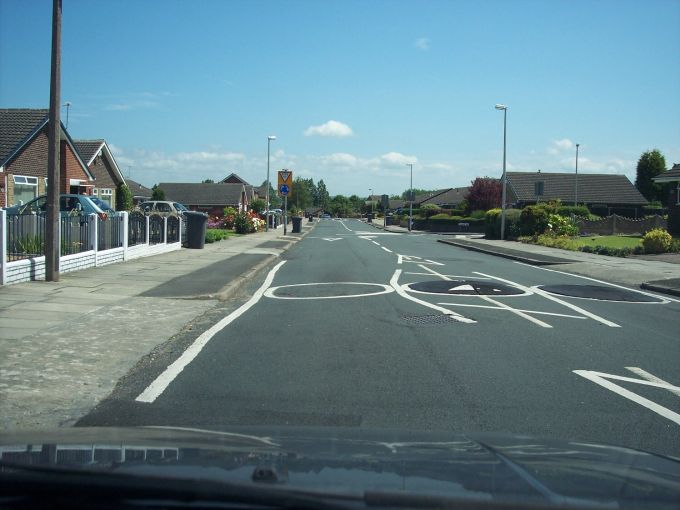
<point>576,179</point>
<point>269,141</point>
<point>505,117</point>
<point>410,199</point>
<point>67,104</point>
<point>370,198</point>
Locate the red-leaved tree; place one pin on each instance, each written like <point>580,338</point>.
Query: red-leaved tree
<point>484,194</point>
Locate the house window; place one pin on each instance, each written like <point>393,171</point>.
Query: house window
<point>538,188</point>
<point>105,194</point>
<point>25,188</point>
<point>677,202</point>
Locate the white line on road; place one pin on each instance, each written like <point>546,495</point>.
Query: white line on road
<point>376,243</point>
<point>666,299</point>
<point>652,378</point>
<point>386,249</point>
<point>394,282</point>
<point>509,308</point>
<point>158,386</point>
<point>556,300</point>
<point>601,379</point>
<point>448,275</point>
<point>536,312</point>
<point>343,224</point>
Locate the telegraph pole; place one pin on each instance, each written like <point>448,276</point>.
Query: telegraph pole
<point>52,241</point>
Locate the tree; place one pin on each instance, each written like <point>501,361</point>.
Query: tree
<point>484,194</point>
<point>302,193</point>
<point>124,200</point>
<point>258,205</point>
<point>322,196</point>
<point>157,193</point>
<point>340,206</point>
<point>651,164</point>
<point>208,181</point>
<point>274,199</point>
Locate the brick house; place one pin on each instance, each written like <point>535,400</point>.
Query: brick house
<point>100,161</point>
<point>23,158</point>
<point>672,177</point>
<point>604,194</point>
<point>140,193</point>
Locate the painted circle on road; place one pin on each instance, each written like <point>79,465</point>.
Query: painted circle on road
<point>327,290</point>
<point>465,288</point>
<point>600,293</point>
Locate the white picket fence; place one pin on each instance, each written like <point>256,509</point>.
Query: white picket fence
<point>34,268</point>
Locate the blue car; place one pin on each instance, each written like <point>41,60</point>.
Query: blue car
<point>69,204</point>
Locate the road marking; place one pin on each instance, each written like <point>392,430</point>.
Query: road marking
<point>535,312</point>
<point>465,277</point>
<point>343,224</point>
<point>622,301</point>
<point>652,378</point>
<point>271,291</point>
<point>526,316</point>
<point>376,243</point>
<point>386,249</point>
<point>394,282</point>
<point>331,239</point>
<point>666,299</point>
<point>556,300</point>
<point>602,379</point>
<point>160,384</point>
<point>416,260</point>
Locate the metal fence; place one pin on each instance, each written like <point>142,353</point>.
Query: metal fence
<point>110,232</point>
<point>136,228</point>
<point>173,226</point>
<point>26,235</point>
<point>156,229</point>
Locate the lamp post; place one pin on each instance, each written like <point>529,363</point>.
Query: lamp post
<point>269,141</point>
<point>370,198</point>
<point>410,198</point>
<point>67,104</point>
<point>576,178</point>
<point>505,117</point>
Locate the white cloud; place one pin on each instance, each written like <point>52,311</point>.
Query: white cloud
<point>560,145</point>
<point>396,158</point>
<point>422,43</point>
<point>330,128</point>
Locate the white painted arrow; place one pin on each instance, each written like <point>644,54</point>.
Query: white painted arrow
<point>462,287</point>
<point>331,239</point>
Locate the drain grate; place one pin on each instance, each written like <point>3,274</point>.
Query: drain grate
<point>429,319</point>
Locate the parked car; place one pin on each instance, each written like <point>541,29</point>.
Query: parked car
<point>69,204</point>
<point>103,206</point>
<point>163,207</point>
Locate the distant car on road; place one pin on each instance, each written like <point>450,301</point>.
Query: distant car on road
<point>326,215</point>
<point>163,207</point>
<point>69,204</point>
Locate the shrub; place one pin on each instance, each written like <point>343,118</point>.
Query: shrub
<point>429,210</point>
<point>675,246</point>
<point>477,215</point>
<point>534,219</point>
<point>230,211</point>
<point>561,226</point>
<point>552,241</point>
<point>657,240</point>
<point>243,224</point>
<point>212,235</point>
<point>443,216</point>
<point>492,227</point>
<point>567,210</point>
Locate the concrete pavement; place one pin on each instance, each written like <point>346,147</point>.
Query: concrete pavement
<point>660,274</point>
<point>64,345</point>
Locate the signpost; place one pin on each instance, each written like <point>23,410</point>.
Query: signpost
<point>285,185</point>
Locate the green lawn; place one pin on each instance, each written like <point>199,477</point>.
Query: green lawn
<point>610,241</point>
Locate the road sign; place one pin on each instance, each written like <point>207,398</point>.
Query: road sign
<point>286,177</point>
<point>283,189</point>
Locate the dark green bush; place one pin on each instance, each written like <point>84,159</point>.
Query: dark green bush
<point>534,219</point>
<point>567,210</point>
<point>214,234</point>
<point>492,223</point>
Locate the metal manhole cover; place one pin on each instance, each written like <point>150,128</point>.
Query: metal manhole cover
<point>430,319</point>
<point>600,292</point>
<point>466,288</point>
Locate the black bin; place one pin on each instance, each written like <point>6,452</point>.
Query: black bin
<point>197,222</point>
<point>297,225</point>
<point>369,218</point>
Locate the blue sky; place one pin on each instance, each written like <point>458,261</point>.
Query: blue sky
<point>354,90</point>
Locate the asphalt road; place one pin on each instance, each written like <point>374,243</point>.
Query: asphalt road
<point>358,327</point>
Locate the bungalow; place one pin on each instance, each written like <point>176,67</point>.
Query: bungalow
<point>101,163</point>
<point>139,192</point>
<point>252,192</point>
<point>604,194</point>
<point>211,198</point>
<point>449,198</point>
<point>672,177</point>
<point>23,158</point>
